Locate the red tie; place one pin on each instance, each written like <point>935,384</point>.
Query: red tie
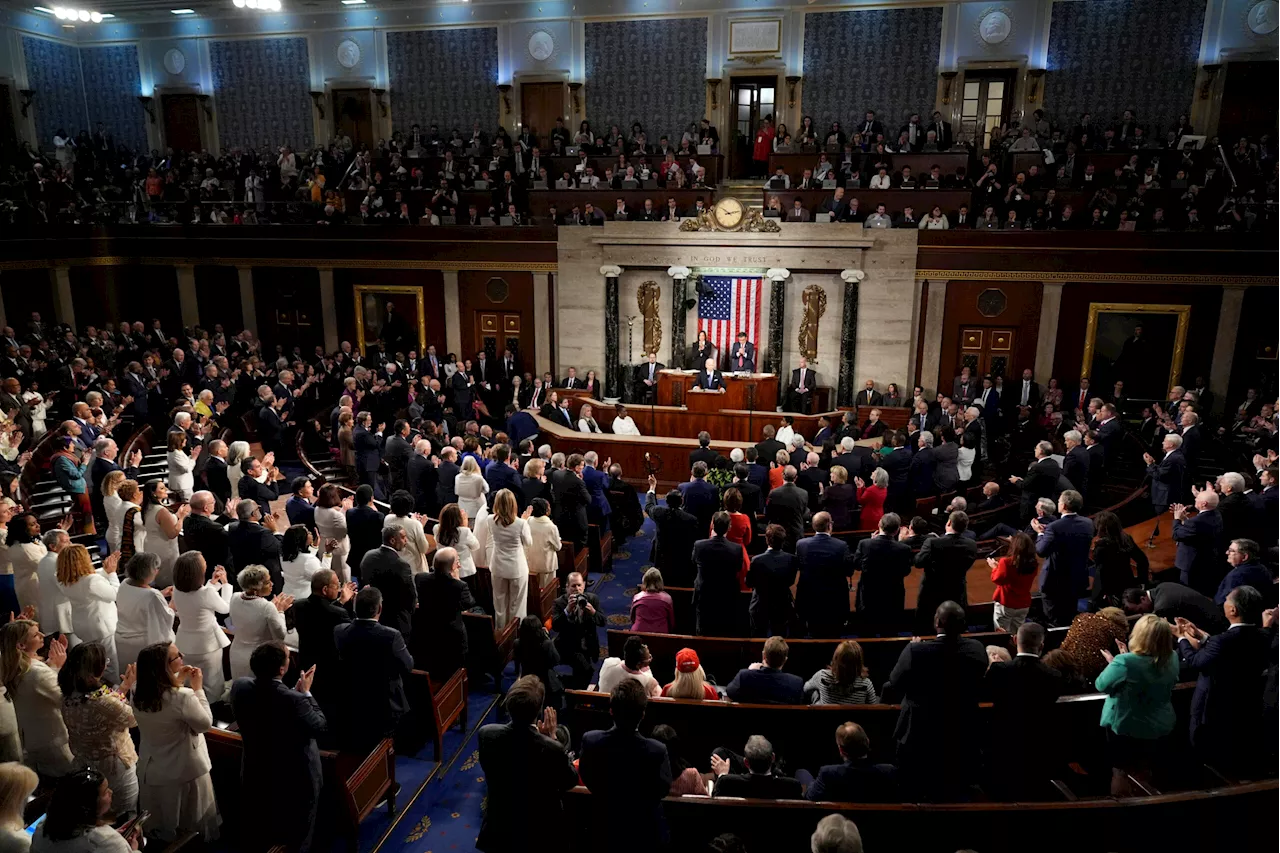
<point>1083,394</point>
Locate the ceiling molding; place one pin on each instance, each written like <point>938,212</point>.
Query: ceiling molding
<point>337,263</point>
<point>1097,277</point>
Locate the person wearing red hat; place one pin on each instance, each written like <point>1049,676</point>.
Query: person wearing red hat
<point>691,681</point>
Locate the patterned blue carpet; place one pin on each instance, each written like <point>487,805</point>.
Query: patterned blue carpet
<point>446,813</point>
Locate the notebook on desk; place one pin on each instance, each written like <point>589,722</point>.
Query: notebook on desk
<point>481,185</point>
<point>704,149</point>
<point>828,183</point>
<point>542,185</point>
<point>822,217</point>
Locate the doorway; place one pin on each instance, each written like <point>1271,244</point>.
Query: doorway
<point>986,350</point>
<point>752,100</point>
<point>181,122</point>
<point>8,128</point>
<point>540,105</point>
<point>495,331</point>
<point>1247,92</point>
<point>987,104</point>
<point>353,115</point>
<point>492,309</point>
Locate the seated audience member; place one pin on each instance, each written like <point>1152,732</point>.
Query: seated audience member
<point>685,779</point>
<point>79,819</point>
<point>526,769</point>
<point>765,682</point>
<point>1091,634</point>
<point>844,682</point>
<point>856,779</point>
<point>651,608</point>
<point>690,681</point>
<point>759,782</point>
<point>633,665</point>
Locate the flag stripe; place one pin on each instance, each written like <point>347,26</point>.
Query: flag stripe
<point>733,307</point>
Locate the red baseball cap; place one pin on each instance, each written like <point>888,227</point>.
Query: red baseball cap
<point>687,660</point>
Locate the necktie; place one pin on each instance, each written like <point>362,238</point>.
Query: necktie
<point>739,358</point>
<point>802,372</point>
<point>650,372</point>
<point>1026,391</point>
<point>1083,394</point>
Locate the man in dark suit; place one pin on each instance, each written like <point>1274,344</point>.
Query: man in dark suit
<point>254,487</point>
<point>368,446</point>
<point>885,563</point>
<point>800,389</point>
<point>869,396</point>
<point>570,500</point>
<point>1024,691</point>
<point>1110,431</point>
<point>677,531</point>
<point>647,377</point>
<point>628,775</point>
<point>1041,480</point>
<point>1075,464</point>
<point>941,131</point>
<point>710,379</point>
<point>364,529</point>
<point>856,780</point>
<point>215,472</point>
<point>104,462</point>
<point>770,577</point>
<point>1245,559</point>
<point>1230,669</point>
<point>446,473</point>
<point>525,769</point>
<point>742,355</point>
<point>765,683</point>
<point>814,479</point>
<point>946,561</point>
<point>822,590</point>
<point>897,464</point>
<point>1168,475</point>
<point>386,570</point>
<point>502,474</point>
<point>597,482</point>
<point>1026,392</point>
<point>704,453</point>
<point>439,641</point>
<point>701,499</point>
<point>397,450</point>
<point>201,532</point>
<point>768,446</point>
<point>315,617</point>
<point>760,781</point>
<point>421,478</point>
<point>788,505</point>
<point>752,496</point>
<point>937,682</point>
<point>253,541</point>
<point>575,617</point>
<point>855,459</point>
<point>715,589</point>
<point>1171,600</point>
<point>374,662</point>
<point>923,466</point>
<point>281,762</point>
<point>1199,558</point>
<point>1065,545</point>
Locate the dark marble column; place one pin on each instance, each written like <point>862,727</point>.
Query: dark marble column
<point>612,368</point>
<point>679,280</point>
<point>777,325</point>
<point>848,336</point>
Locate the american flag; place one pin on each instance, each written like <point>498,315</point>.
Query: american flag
<point>734,307</point>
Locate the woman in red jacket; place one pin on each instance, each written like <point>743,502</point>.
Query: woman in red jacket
<point>763,146</point>
<point>1013,576</point>
<point>739,530</point>
<point>871,498</point>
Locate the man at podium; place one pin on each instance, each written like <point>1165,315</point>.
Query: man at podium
<point>710,379</point>
<point>742,355</point>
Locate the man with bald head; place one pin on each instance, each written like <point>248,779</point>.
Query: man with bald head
<point>825,567</point>
<point>421,477</point>
<point>204,533</point>
<point>104,462</point>
<point>788,505</point>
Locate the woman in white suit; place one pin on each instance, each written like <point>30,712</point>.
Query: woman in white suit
<point>32,685</point>
<point>26,550</point>
<point>255,618</point>
<point>163,527</point>
<point>331,524</point>
<point>127,497</point>
<point>144,616</point>
<point>543,553</point>
<point>471,488</point>
<point>197,604</point>
<point>172,710</point>
<point>93,600</point>
<point>416,548</point>
<point>509,537</point>
<point>181,479</point>
<point>452,532</point>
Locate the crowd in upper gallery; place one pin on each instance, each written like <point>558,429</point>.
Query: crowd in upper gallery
<point>432,177</point>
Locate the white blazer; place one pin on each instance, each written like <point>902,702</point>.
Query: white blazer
<point>198,630</point>
<point>173,750</point>
<point>25,558</point>
<point>471,489</point>
<point>38,703</point>
<point>181,479</point>
<point>467,547</point>
<point>625,426</point>
<point>144,618</point>
<point>256,621</point>
<point>93,605</point>
<point>542,553</point>
<point>415,550</point>
<point>55,608</point>
<point>115,526</point>
<point>506,549</point>
<point>297,573</point>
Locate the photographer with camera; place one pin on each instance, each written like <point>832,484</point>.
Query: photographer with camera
<point>577,616</point>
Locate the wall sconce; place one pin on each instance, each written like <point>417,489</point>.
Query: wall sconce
<point>1035,84</point>
<point>377,99</point>
<point>948,77</point>
<point>505,90</point>
<point>1210,75</point>
<point>317,98</point>
<point>792,81</point>
<point>574,89</point>
<point>28,95</point>
<point>147,107</point>
<point>208,107</point>
<point>714,83</point>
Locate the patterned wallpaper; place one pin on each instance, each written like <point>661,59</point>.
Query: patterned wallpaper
<point>445,77</point>
<point>261,88</point>
<point>112,71</point>
<point>650,71</point>
<point>53,71</point>
<point>1106,56</point>
<point>883,60</point>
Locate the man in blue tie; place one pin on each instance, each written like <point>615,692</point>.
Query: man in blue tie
<point>647,375</point>
<point>710,379</point>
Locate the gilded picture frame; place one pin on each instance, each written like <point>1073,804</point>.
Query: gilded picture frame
<point>366,295</point>
<point>1098,311</point>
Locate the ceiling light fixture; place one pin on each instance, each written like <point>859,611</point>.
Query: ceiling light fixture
<point>182,11</point>
<point>63,13</point>
<point>259,5</point>
<point>353,2</point>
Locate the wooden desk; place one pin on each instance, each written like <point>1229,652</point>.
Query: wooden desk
<point>921,200</point>
<point>606,200</point>
<point>795,164</point>
<point>557,166</point>
<point>756,392</point>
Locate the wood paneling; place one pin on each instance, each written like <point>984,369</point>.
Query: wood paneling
<point>1254,364</point>
<point>431,282</point>
<point>145,293</point>
<point>25,291</point>
<point>288,305</point>
<point>181,115</point>
<point>1021,315</point>
<point>218,298</point>
<point>474,298</point>
<point>540,105</point>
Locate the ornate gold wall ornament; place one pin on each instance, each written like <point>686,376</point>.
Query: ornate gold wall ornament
<point>814,299</point>
<point>647,299</point>
<point>730,214</point>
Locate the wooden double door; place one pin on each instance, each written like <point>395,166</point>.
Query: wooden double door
<point>987,350</point>
<point>353,115</point>
<point>181,121</point>
<point>540,105</point>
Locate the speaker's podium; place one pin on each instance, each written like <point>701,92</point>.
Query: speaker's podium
<point>753,392</point>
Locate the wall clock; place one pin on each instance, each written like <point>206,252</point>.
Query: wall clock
<point>174,61</point>
<point>348,53</point>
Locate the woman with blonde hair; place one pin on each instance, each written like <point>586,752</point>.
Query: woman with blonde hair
<point>1138,711</point>
<point>509,536</point>
<point>32,685</point>
<point>470,487</point>
<point>111,501</point>
<point>256,618</point>
<point>93,600</point>
<point>17,783</point>
<point>198,603</point>
<point>690,681</point>
<point>127,512</point>
<point>237,455</point>
<point>844,682</point>
<point>181,479</point>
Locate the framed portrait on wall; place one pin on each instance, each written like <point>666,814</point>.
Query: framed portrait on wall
<point>1139,344</point>
<point>393,317</point>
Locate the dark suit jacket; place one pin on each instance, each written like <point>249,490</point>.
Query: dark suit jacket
<point>1230,672</point>
<point>765,686</point>
<point>629,774</point>
<point>439,641</point>
<point>251,544</point>
<point>677,531</point>
<point>262,493</point>
<point>938,684</point>
<point>788,505</point>
<point>374,662</point>
<point>822,591</point>
<point>946,561</point>
<point>767,450</point>
<point>1170,600</point>
<point>855,781</point>
<point>315,617</point>
<point>501,476</point>
<point>570,499</point>
<point>715,589</point>
<point>525,773</point>
<point>707,455</point>
<point>446,473</point>
<point>884,563</point>
<point>368,447</point>
<point>1199,557</point>
<point>758,786</point>
<point>946,473</point>
<point>869,398</point>
<point>731,357</point>
<point>384,569</point>
<point>1065,546</point>
<point>1075,467</point>
<point>1168,479</point>
<point>701,499</point>
<point>1024,692</point>
<point>217,479</point>
<point>396,454</point>
<point>717,380</point>
<point>420,479</point>
<point>920,472</point>
<point>210,538</point>
<point>810,380</point>
<point>1041,481</point>
<point>364,529</point>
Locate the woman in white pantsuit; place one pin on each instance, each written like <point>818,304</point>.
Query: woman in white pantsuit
<point>255,619</point>
<point>93,600</point>
<point>197,604</point>
<point>144,617</point>
<point>509,537</point>
<point>331,523</point>
<point>32,685</point>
